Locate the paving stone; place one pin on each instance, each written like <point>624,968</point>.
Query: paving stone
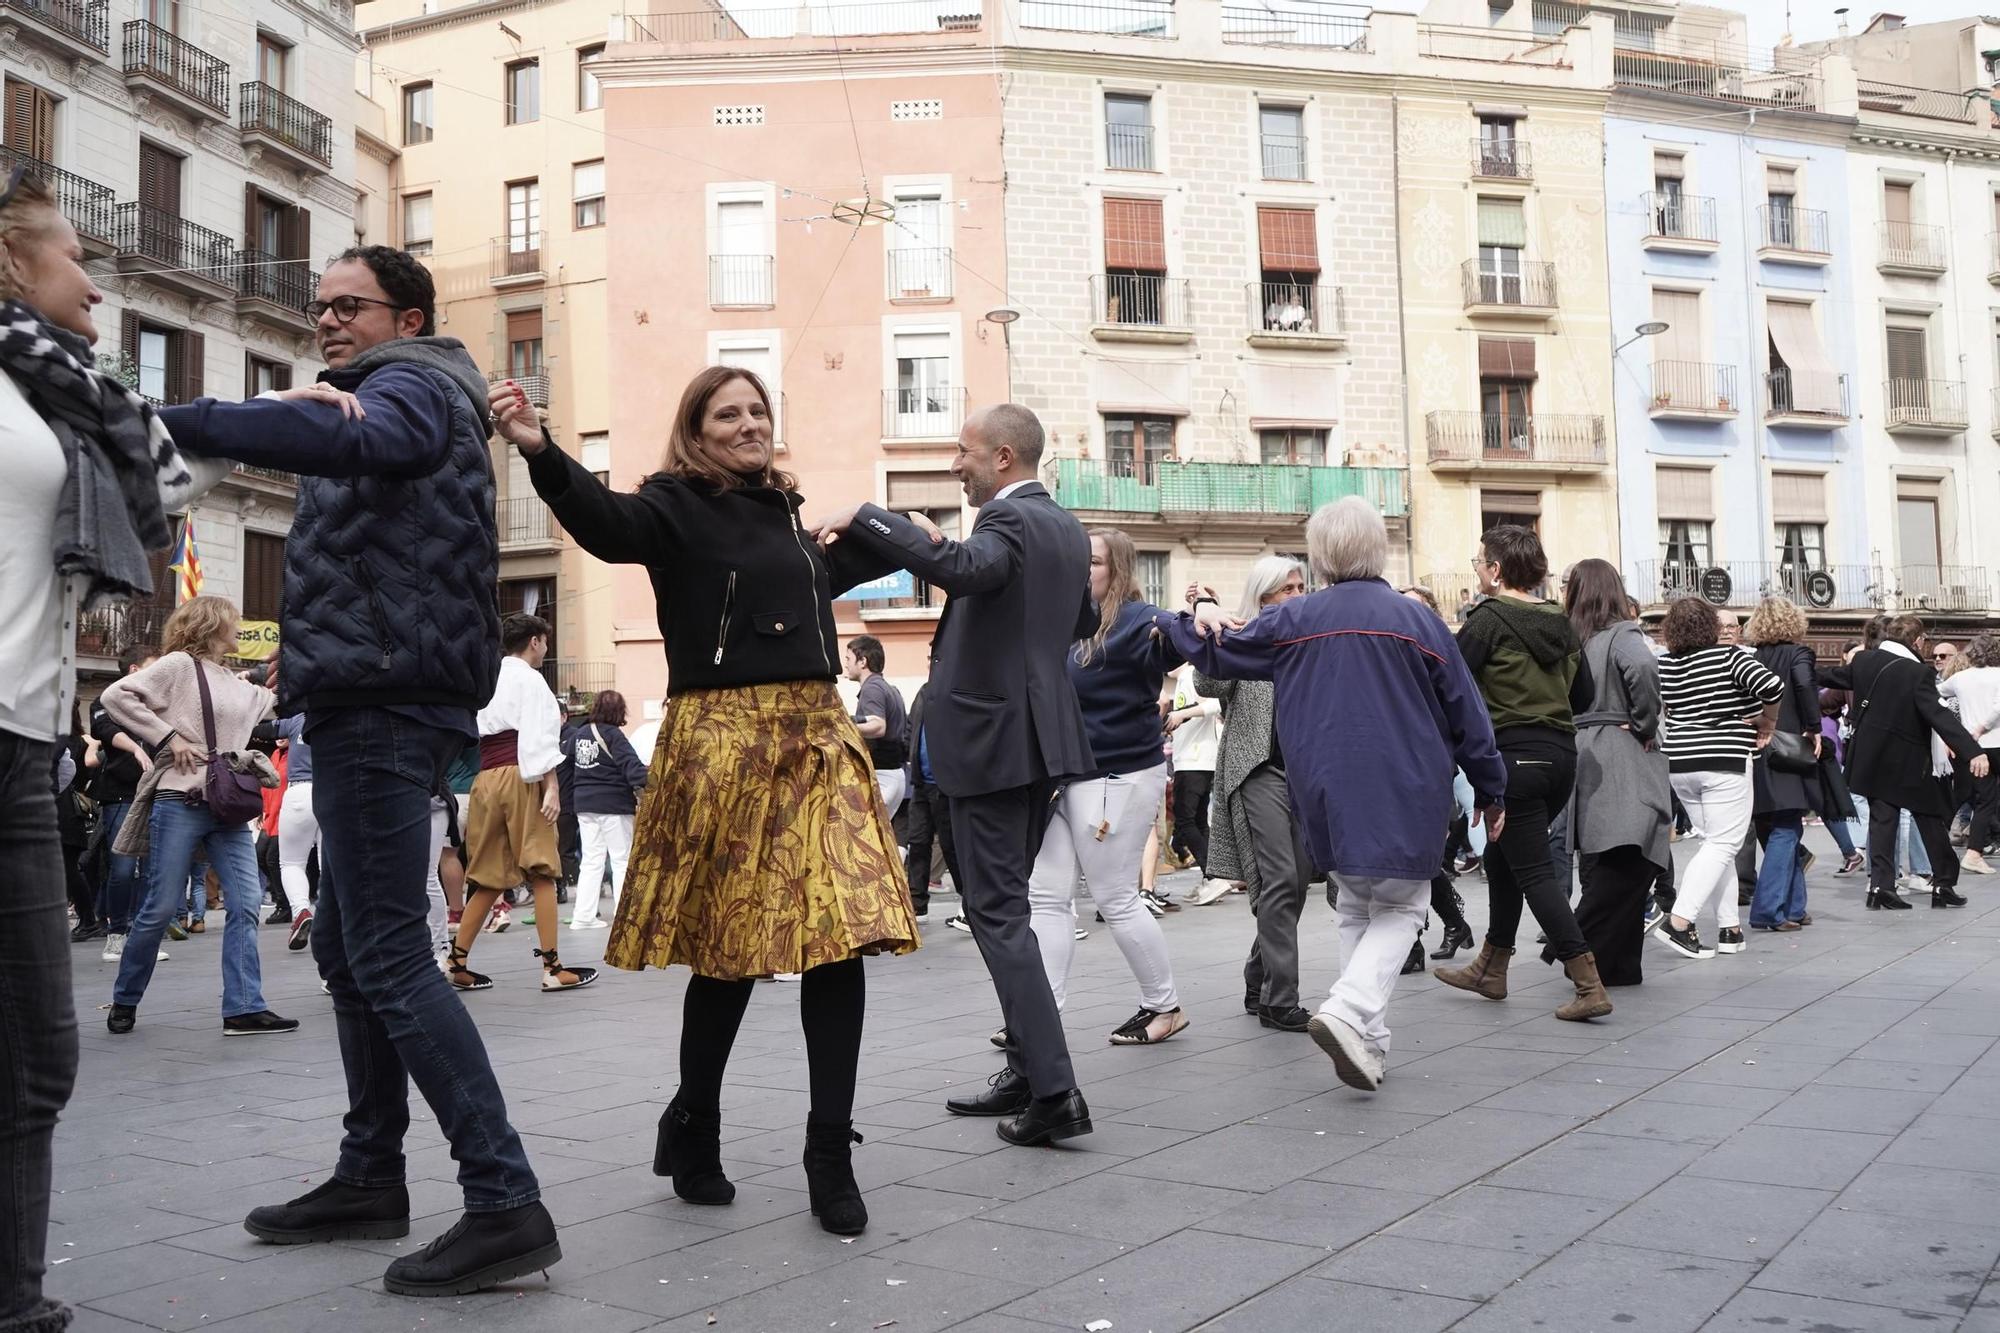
<point>1494,1218</point>
<point>1249,1157</point>
<point>1871,1259</point>
<point>1754,1311</point>
<point>1603,1166</point>
<point>1775,1155</point>
<point>1437,1268</point>
<point>209,1297</point>
<point>1311,1303</point>
<point>1607,1286</point>
<point>1828,1106</point>
<point>1119,1207</point>
<point>1176,1283</point>
<point>1312,1212</point>
<point>1933,1193</point>
<point>1737,1220</point>
<point>1025,1255</point>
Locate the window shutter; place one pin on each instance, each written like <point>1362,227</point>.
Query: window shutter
<point>281,376</point>
<point>20,115</point>
<point>1896,202</point>
<point>1502,223</point>
<point>194,352</point>
<point>253,216</point>
<point>523,325</point>
<point>1906,355</point>
<point>128,339</point>
<point>1669,167</point>
<point>175,387</point>
<point>301,234</point>
<point>589,180</point>
<point>1681,313</point>
<point>1287,240</point>
<point>1684,493</point>
<point>43,135</point>
<point>922,490</point>
<point>1135,235</point>
<point>1798,497</point>
<point>1780,179</point>
<point>159,179</point>
<point>1507,358</point>
<point>263,575</point>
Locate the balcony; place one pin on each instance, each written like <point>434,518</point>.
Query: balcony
<point>1924,407</point>
<point>1680,223</point>
<point>517,260</point>
<point>157,62</point>
<point>272,476</point>
<point>1128,147</point>
<point>91,208</point>
<point>1294,314</point>
<point>1284,156</point>
<point>717,24</point>
<point>922,273</point>
<point>1942,588</point>
<point>1170,487</point>
<point>1501,160</point>
<point>1470,441</point>
<point>80,28</point>
<point>1910,249</point>
<point>1923,103</point>
<point>110,632</point>
<point>1528,294</point>
<point>1297,23</point>
<point>742,282</point>
<point>1115,18</point>
<point>1794,236</point>
<point>1716,70</point>
<point>922,414</point>
<point>173,252</point>
<point>576,681</point>
<point>1805,401</point>
<point>534,385</point>
<point>273,122</point>
<point>1693,391</point>
<point>1744,583</point>
<point>274,290</point>
<point>1139,307</point>
<point>525,524</point>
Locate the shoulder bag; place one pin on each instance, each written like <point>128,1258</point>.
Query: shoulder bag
<point>231,797</point>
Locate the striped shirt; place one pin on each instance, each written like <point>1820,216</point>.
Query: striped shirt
<point>1711,698</point>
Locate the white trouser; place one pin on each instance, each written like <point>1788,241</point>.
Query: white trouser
<point>1122,808</point>
<point>1379,921</point>
<point>298,834</point>
<point>435,918</point>
<point>1719,805</point>
<point>1475,829</point>
<point>604,838</point>
<point>894,784</point>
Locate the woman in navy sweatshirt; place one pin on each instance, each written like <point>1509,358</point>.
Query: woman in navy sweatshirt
<point>1098,829</point>
<point>604,776</point>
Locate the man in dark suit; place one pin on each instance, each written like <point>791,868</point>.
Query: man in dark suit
<point>1004,728</point>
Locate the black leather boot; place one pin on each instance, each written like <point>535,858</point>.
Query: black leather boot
<point>836,1199</point>
<point>1946,895</point>
<point>334,1211</point>
<point>690,1150</point>
<point>481,1250</point>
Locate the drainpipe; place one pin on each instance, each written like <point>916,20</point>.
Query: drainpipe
<point>1744,160</point>
<point>1963,526</point>
<point>1403,346</point>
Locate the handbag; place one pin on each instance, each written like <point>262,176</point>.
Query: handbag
<point>1789,752</point>
<point>231,797</point>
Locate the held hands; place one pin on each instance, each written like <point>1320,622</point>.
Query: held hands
<point>186,758</point>
<point>515,419</point>
<point>318,392</point>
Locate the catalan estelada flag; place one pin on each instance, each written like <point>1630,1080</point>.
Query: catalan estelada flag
<point>187,563</point>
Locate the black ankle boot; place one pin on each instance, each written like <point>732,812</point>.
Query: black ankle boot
<point>1456,937</point>
<point>1414,964</point>
<point>1945,895</point>
<point>481,1250</point>
<point>690,1150</point>
<point>836,1199</point>
<point>334,1211</point>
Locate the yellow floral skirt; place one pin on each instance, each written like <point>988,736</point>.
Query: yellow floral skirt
<point>761,845</point>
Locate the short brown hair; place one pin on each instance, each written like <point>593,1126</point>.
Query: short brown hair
<point>195,623</point>
<point>1904,629</point>
<point>1518,551</point>
<point>685,456</point>
<point>608,709</point>
<point>1690,625</point>
<point>519,630</point>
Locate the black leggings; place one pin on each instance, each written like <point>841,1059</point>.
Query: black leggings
<point>1540,774</point>
<point>832,998</point>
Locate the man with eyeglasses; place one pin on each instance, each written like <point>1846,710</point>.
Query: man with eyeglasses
<point>1942,653</point>
<point>391,630</point>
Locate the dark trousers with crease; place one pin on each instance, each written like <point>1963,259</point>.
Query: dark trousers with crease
<point>1612,912</point>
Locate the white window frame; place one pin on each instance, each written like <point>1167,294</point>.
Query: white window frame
<point>949,326</point>
<point>771,343</point>
<point>1156,110</point>
<point>896,188</point>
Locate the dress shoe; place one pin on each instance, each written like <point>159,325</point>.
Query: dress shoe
<point>334,1211</point>
<point>1455,938</point>
<point>1944,895</point>
<point>1006,1094</point>
<point>1885,900</point>
<point>481,1250</point>
<point>1414,964</point>
<point>121,1018</point>
<point>1291,1018</point>
<point>1047,1119</point>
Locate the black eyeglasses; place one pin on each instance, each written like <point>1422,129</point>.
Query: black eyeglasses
<point>344,308</point>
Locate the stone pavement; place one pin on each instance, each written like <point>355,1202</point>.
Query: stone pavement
<point>1805,1136</point>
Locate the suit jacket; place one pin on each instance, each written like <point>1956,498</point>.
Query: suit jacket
<point>1896,709</point>
<point>999,706</point>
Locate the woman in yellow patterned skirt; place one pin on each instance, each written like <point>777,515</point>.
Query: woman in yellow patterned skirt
<point>761,844</point>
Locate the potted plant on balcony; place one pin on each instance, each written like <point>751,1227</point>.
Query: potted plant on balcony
<point>1662,401</point>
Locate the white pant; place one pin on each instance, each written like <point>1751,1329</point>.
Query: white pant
<point>435,918</point>
<point>1719,805</point>
<point>1379,921</point>
<point>604,838</point>
<point>298,834</point>
<point>894,784</point>
<point>1124,807</point>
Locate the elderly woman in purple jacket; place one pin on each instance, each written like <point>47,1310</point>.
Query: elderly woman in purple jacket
<point>1375,710</point>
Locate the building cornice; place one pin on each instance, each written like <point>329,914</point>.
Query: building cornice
<point>1883,139</point>
<point>376,147</point>
<point>1729,117</point>
<point>446,18</point>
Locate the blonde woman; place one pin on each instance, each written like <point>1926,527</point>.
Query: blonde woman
<point>1776,633</point>
<point>165,707</point>
<point>1099,829</point>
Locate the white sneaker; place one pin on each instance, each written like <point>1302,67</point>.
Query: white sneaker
<point>1910,884</point>
<point>1082,934</point>
<point>595,923</point>
<point>114,948</point>
<point>786,976</point>
<point>1357,1066</point>
<point>162,957</point>
<point>1209,891</point>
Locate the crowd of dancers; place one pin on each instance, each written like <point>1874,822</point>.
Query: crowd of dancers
<point>1352,728</point>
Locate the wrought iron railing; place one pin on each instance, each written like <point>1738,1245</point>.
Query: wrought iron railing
<point>174,243</point>
<point>1680,217</point>
<point>573,679</point>
<point>534,384</point>
<point>1337,27</point>
<point>1128,147</point>
<point>1115,18</point>
<point>1501,159</point>
<point>1910,245</point>
<point>1694,386</point>
<point>282,282</point>
<point>114,631</point>
<point>1719,71</point>
<point>845,20</point>
<point>91,208</point>
<point>1744,583</point>
<point>920,273</point>
<point>923,412</point>
<point>1942,588</point>
<point>1924,404</point>
<point>524,521</point>
<point>1799,230</point>
<point>1297,307</point>
<point>1927,103</point>
<point>1284,156</point>
<point>1790,393</point>
<point>265,110</point>
<point>276,474</point>
<point>742,281</point>
<point>517,256</point>
<point>1538,439</point>
<point>1147,300</point>
<point>186,68</point>
<point>1165,485</point>
<point>88,21</point>
<point>1532,286</point>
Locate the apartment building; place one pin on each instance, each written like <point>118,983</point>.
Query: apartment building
<point>1741,417</point>
<point>193,149</point>
<point>480,147</point>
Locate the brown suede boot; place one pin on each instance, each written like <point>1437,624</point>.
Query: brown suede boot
<point>1590,1001</point>
<point>1484,975</point>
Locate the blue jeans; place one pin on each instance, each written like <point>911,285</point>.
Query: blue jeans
<point>1781,880</point>
<point>397,1016</point>
<point>1843,835</point>
<point>1909,848</point>
<point>124,876</point>
<point>178,829</point>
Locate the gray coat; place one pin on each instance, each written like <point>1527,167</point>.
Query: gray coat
<point>1249,715</point>
<point>1623,797</point>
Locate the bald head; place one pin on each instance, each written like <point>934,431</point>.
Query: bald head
<point>999,446</point>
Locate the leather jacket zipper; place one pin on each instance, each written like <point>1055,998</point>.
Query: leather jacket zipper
<point>812,574</point>
<point>382,639</point>
<point>722,630</point>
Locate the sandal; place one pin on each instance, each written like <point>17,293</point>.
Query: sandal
<point>461,976</point>
<point>1137,1030</point>
<point>553,973</point>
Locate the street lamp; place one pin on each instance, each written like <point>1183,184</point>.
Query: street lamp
<point>1005,316</point>
<point>1650,329</point>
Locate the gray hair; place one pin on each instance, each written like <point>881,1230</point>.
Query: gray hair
<point>1266,577</point>
<point>1017,428</point>
<point>1347,540</point>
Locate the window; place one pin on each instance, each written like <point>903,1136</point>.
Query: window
<point>741,271</point>
<point>155,363</point>
<point>1500,152</point>
<point>1781,196</point>
<point>1521,508</point>
<point>1288,251</point>
<point>165,14</point>
<point>919,260</point>
<point>1135,263</point>
<point>262,376</point>
<point>271,55</point>
<point>1503,235</point>
<point>1296,444</point>
<point>263,575</point>
<point>524,343</point>
<point>589,92</point>
<point>170,362</point>
<point>924,397</point>
<point>1506,397</point>
<point>1798,514</point>
<point>1281,131</point>
<point>1685,502</point>
<point>1134,446</point>
<point>587,188</point>
<point>417,224</point>
<point>524,227</point>
<point>159,185</point>
<point>1917,527</point>
<point>594,452</point>
<point>524,91</point>
<point>1802,379</point>
<point>935,495</point>
<point>1669,180</point>
<point>1680,379</point>
<point>1909,360</point>
<point>277,238</point>
<point>1152,575</point>
<point>1128,132</point>
<point>535,597</point>
<point>758,357</point>
<point>419,114</point>
<point>30,121</point>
